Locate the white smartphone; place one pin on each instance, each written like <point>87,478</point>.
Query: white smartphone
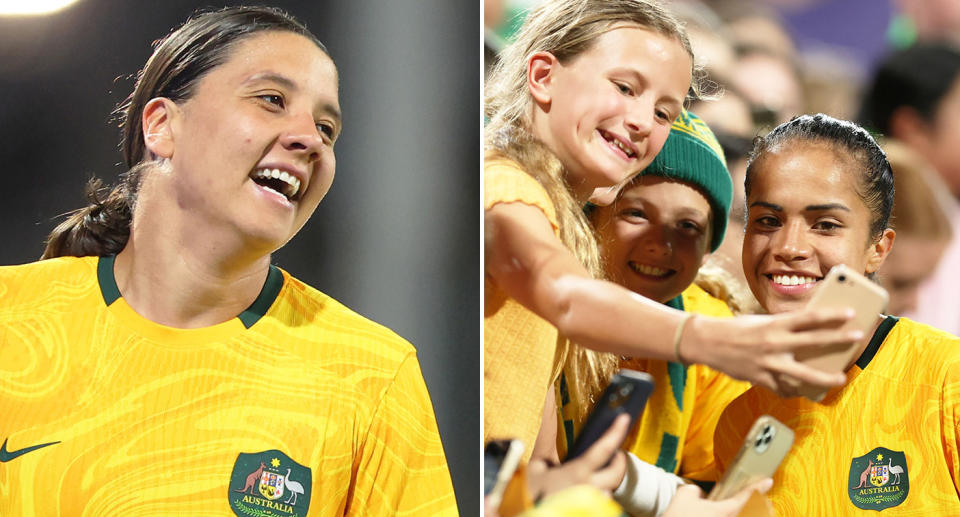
<point>500,461</point>
<point>843,287</point>
<point>765,446</point>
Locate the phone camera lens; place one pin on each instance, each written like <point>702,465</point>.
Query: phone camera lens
<point>842,278</point>
<point>762,442</point>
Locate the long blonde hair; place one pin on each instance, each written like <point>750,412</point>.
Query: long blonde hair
<point>565,28</point>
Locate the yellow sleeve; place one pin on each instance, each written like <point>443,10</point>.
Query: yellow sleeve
<point>505,182</point>
<point>400,468</point>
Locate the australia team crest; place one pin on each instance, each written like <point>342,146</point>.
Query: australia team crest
<point>878,479</point>
<point>269,484</point>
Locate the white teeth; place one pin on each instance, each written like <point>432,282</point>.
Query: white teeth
<point>293,184</point>
<point>616,141</point>
<point>793,279</point>
<point>648,270</point>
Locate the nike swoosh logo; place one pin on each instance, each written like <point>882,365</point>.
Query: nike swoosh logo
<point>6,455</point>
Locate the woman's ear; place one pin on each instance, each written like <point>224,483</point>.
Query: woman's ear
<point>879,250</point>
<point>540,70</point>
<point>157,121</point>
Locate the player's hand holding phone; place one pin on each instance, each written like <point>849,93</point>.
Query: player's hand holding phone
<point>843,288</point>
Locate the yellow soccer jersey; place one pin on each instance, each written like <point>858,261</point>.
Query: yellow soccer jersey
<point>296,407</point>
<point>887,439</point>
<point>675,431</point>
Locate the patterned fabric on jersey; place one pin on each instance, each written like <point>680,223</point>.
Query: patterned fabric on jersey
<point>519,348</point>
<point>888,438</point>
<point>296,407</point>
<point>675,431</point>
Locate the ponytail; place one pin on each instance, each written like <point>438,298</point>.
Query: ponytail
<point>103,226</point>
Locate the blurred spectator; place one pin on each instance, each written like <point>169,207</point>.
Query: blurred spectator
<point>492,13</point>
<point>730,118</point>
<point>493,17</point>
<point>756,25</point>
<point>770,82</point>
<point>709,38</point>
<point>831,83</point>
<point>914,97</point>
<point>923,230</point>
<point>764,70</point>
<point>927,20</point>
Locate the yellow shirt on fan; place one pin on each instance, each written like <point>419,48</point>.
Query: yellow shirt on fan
<point>675,431</point>
<point>521,354</point>
<point>296,407</point>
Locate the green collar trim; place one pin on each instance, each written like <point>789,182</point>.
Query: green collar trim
<point>252,314</point>
<point>108,284</point>
<point>885,327</point>
<point>269,293</point>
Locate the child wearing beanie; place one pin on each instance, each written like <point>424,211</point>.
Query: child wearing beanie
<point>655,237</point>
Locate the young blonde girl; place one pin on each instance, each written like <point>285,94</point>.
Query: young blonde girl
<point>584,99</point>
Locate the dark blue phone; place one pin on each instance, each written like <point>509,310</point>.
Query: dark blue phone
<point>627,392</point>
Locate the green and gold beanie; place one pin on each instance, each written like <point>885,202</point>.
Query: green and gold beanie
<point>693,155</point>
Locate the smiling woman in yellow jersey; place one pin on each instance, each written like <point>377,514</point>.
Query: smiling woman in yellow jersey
<point>161,365</point>
<point>819,193</point>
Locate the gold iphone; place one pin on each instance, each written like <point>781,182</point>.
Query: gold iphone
<point>843,287</point>
<point>765,446</point>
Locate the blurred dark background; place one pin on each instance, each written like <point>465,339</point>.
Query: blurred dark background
<point>396,239</point>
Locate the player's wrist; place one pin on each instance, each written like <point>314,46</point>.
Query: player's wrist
<point>693,339</point>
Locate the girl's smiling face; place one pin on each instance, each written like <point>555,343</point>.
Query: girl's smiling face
<point>655,236</point>
<point>606,113</point>
<point>804,216</point>
<point>251,151</point>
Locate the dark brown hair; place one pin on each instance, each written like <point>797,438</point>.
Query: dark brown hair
<point>178,63</point>
<point>874,176</point>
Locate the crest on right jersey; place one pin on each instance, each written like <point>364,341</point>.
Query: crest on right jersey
<point>269,484</point>
<point>878,479</point>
